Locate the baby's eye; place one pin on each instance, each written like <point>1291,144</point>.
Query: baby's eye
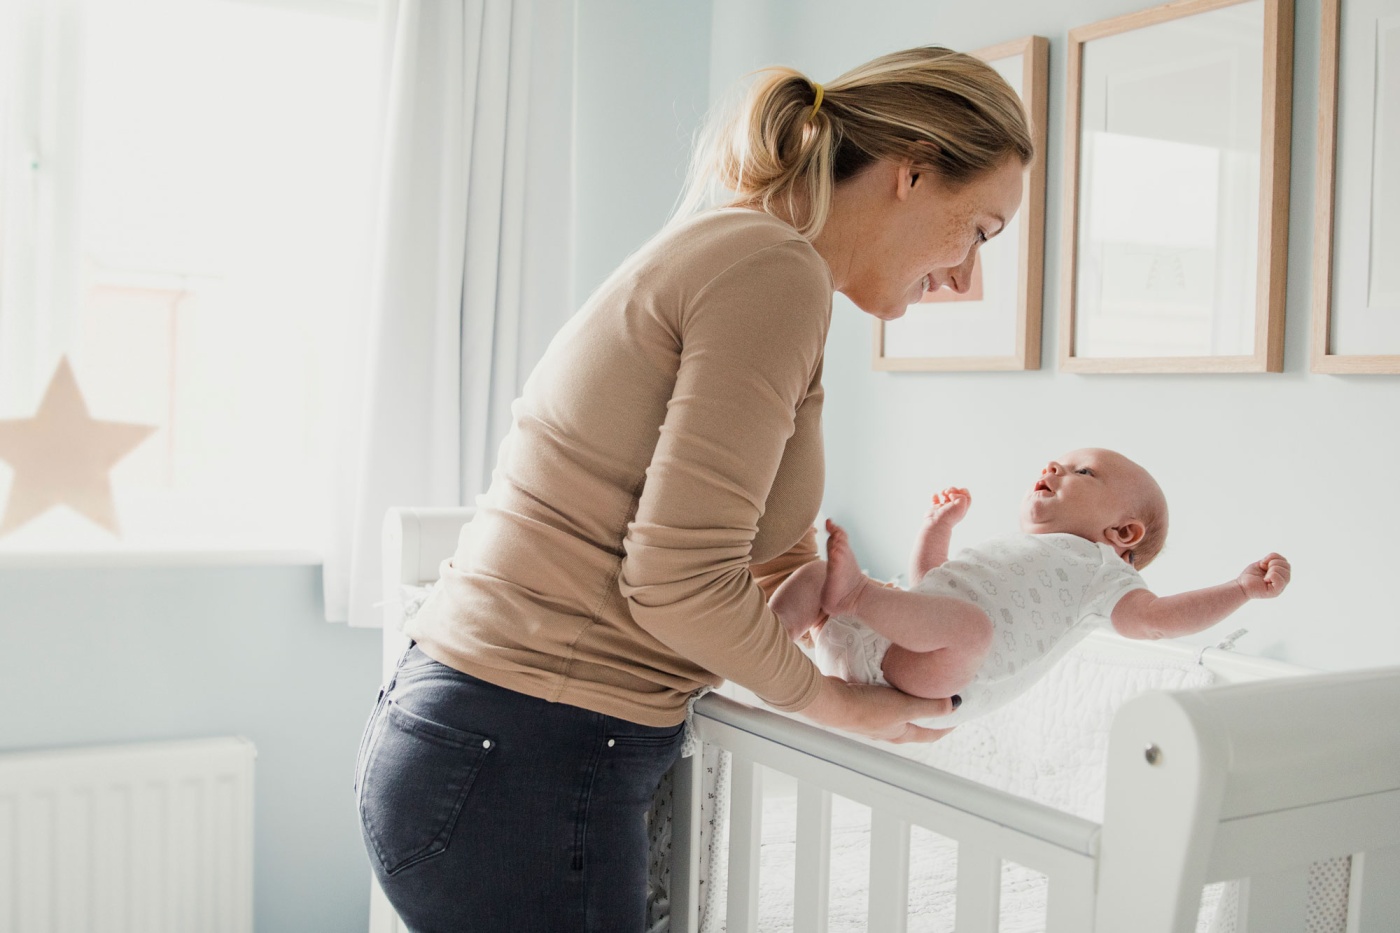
<point>1085,470</point>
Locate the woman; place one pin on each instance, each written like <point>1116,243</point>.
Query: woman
<point>660,478</point>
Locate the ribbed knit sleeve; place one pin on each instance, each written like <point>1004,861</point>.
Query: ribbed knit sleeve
<point>751,342</point>
<point>771,574</point>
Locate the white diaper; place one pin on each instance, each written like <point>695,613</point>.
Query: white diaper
<point>851,650</point>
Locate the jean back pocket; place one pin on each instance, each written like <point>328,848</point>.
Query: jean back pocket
<point>415,778</point>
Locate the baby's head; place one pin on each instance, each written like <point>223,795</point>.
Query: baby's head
<point>1103,496</point>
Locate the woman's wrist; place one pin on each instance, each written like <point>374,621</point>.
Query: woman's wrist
<point>828,707</point>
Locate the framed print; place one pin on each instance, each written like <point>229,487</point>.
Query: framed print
<point>1356,246</point>
<point>1176,206</point>
<point>995,324</point>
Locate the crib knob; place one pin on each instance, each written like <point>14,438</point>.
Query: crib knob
<point>1153,754</point>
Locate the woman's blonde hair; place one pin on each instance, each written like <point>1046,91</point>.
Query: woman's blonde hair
<point>786,147</point>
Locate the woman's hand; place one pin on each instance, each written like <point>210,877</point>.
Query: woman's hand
<point>876,712</point>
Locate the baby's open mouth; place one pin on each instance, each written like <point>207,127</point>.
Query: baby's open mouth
<point>1042,486</point>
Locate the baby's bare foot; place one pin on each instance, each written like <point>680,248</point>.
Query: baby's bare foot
<point>844,580</point>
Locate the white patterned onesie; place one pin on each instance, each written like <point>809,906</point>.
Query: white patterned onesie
<point>1043,593</point>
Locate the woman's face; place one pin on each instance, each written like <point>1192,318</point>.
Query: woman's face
<point>927,236</point>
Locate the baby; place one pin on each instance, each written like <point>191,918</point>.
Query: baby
<point>984,626</point>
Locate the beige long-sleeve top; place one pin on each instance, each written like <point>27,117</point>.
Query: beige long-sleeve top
<point>664,457</point>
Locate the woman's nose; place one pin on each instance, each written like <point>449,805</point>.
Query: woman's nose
<point>960,277</point>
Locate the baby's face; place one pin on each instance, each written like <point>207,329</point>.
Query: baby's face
<point>1086,493</point>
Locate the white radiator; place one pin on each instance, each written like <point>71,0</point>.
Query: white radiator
<point>150,838</point>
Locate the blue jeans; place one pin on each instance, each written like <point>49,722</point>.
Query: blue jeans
<point>485,810</point>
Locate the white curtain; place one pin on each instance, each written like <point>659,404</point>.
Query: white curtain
<point>472,264</point>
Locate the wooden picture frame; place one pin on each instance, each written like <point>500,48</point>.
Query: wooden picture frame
<point>1363,302</point>
<point>1176,232</point>
<point>996,326</point>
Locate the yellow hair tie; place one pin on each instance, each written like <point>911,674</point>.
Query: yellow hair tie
<point>816,106</point>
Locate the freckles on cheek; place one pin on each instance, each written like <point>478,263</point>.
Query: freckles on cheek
<point>952,241</point>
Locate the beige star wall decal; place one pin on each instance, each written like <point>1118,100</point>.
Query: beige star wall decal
<point>62,456</point>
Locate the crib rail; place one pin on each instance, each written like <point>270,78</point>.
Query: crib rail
<point>1202,787</point>
<point>990,826</point>
<point>1260,780</point>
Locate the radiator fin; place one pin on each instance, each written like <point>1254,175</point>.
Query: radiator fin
<point>152,838</point>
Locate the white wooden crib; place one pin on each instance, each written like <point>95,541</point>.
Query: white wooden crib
<point>1253,779</point>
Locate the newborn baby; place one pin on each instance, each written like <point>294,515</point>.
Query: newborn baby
<point>984,626</point>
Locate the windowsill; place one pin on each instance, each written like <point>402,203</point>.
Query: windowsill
<point>154,557</point>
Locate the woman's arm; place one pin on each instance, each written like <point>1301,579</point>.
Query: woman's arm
<point>874,711</point>
<point>749,349</point>
<point>770,575</point>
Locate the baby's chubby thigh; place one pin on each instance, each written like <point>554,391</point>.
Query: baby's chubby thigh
<point>945,671</point>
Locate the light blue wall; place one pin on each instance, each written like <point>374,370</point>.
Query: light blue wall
<point>1295,462</point>
<point>109,655</point>
<point>642,86</point>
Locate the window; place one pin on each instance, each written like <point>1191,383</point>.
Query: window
<point>185,196</point>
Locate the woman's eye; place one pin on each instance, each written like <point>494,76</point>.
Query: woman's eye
<point>981,235</point>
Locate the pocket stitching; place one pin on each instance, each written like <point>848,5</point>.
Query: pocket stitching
<point>435,732</point>
<point>652,741</point>
<point>447,739</point>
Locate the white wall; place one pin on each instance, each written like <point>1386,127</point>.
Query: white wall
<point>1295,462</point>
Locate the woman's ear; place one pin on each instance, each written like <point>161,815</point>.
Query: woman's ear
<point>906,177</point>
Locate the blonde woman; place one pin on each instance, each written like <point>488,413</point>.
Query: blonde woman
<point>660,479</point>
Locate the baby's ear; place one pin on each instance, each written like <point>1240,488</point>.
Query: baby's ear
<point>1126,536</point>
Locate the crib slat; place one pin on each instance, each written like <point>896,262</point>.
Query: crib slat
<point>812,885</point>
<point>1375,897</point>
<point>979,890</point>
<point>745,838</point>
<point>889,872</point>
<point>685,844</point>
<point>1276,902</point>
<point>1070,904</point>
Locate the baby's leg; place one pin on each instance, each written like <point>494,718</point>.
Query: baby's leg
<point>938,642</point>
<point>798,599</point>
<point>930,674</point>
<point>844,582</point>
<point>925,622</point>
<point>917,621</point>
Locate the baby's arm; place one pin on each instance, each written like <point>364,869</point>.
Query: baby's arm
<point>931,546</point>
<point>1140,614</point>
